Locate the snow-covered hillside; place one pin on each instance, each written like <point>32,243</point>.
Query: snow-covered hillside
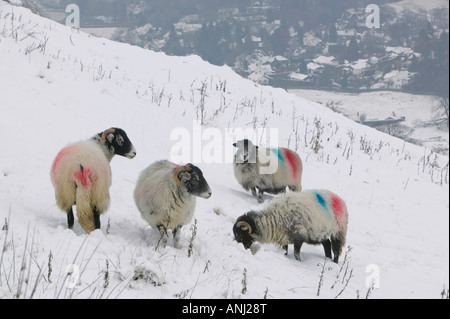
<point>417,5</point>
<point>59,85</point>
<point>419,111</point>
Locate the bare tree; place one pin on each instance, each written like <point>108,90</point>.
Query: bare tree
<point>442,111</point>
<point>396,129</point>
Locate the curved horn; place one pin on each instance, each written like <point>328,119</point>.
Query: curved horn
<point>178,170</point>
<point>245,224</point>
<point>105,133</point>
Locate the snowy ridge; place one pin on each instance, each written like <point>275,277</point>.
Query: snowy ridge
<point>59,85</point>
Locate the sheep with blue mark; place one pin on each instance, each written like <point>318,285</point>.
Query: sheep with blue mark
<point>312,217</point>
<point>268,170</point>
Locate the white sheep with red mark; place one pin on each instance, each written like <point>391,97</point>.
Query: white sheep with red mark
<point>313,217</point>
<point>81,175</point>
<point>269,170</point>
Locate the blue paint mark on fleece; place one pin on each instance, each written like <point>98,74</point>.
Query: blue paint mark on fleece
<point>322,203</point>
<point>278,153</point>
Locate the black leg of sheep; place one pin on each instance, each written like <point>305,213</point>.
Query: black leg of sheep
<point>70,218</point>
<point>297,247</point>
<point>327,248</point>
<point>336,244</point>
<point>96,217</point>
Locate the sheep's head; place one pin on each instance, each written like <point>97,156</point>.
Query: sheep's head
<point>244,230</point>
<point>191,177</point>
<point>246,152</point>
<point>117,142</point>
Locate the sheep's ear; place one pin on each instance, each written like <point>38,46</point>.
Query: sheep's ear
<point>181,174</point>
<point>244,226</point>
<point>184,176</point>
<point>110,137</point>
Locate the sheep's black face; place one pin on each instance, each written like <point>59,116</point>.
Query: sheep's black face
<point>243,230</point>
<point>119,143</point>
<point>195,182</point>
<point>246,152</point>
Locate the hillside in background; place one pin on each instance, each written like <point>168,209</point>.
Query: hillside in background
<point>304,44</point>
<point>301,45</point>
<point>60,85</point>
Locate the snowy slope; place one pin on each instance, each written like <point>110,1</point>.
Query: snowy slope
<point>417,109</point>
<point>417,5</point>
<point>59,85</point>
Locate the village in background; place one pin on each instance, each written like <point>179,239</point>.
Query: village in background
<point>346,47</point>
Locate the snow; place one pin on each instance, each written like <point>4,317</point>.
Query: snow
<point>298,76</point>
<point>314,66</point>
<point>107,33</point>
<point>397,78</point>
<point>360,64</point>
<point>310,40</point>
<point>60,85</point>
<point>399,50</point>
<point>325,60</point>
<point>417,110</point>
<point>417,5</point>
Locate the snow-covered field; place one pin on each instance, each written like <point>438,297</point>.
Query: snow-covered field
<point>59,85</point>
<point>418,110</point>
<point>417,5</point>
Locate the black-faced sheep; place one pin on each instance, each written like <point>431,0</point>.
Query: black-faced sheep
<point>270,170</point>
<point>313,217</point>
<point>165,195</point>
<point>81,175</point>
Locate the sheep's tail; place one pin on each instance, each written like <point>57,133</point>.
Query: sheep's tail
<point>341,214</point>
<point>294,162</point>
<point>85,213</point>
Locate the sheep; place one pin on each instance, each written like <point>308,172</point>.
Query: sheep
<point>81,176</point>
<point>313,217</point>
<point>284,169</point>
<point>165,195</point>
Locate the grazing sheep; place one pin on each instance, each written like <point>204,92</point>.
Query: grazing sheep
<point>81,175</point>
<point>165,194</point>
<point>271,170</point>
<point>312,217</point>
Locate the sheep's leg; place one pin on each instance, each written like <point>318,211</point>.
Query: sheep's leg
<point>96,217</point>
<point>253,189</point>
<point>327,248</point>
<point>176,236</point>
<point>285,247</point>
<point>297,247</point>
<point>296,188</point>
<point>163,232</point>
<point>336,244</point>
<point>260,196</point>
<point>70,218</point>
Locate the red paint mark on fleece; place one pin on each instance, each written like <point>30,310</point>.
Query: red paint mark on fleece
<point>338,206</point>
<point>83,176</point>
<point>292,158</point>
<point>58,158</point>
